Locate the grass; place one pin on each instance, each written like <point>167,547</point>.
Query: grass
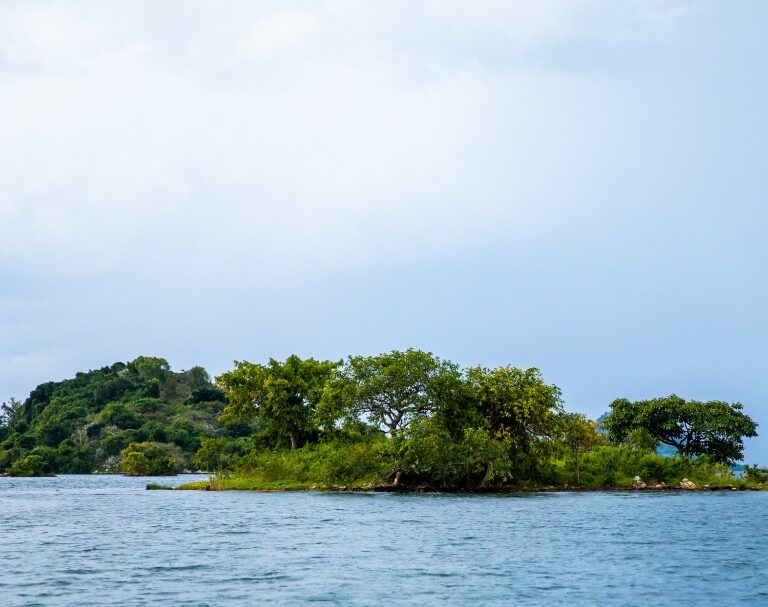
<point>157,487</point>
<point>249,484</point>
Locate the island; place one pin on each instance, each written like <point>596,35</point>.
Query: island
<point>399,421</point>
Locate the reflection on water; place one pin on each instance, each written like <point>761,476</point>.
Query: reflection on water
<point>105,540</point>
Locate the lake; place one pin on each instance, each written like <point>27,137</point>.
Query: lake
<point>105,540</point>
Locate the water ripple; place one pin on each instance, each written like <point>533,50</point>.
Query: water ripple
<point>107,538</point>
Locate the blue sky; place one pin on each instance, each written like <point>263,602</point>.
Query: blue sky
<point>577,186</point>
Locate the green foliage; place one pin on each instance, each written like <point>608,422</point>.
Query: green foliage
<point>429,455</point>
<point>357,464</point>
<point>694,428</point>
<point>282,395</point>
<point>149,459</point>
<point>31,465</point>
<point>206,394</point>
<point>446,428</point>
<point>150,367</point>
<point>756,475</point>
<point>390,390</point>
<point>82,424</point>
<point>212,454</point>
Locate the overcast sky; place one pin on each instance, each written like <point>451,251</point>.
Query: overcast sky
<point>574,185</point>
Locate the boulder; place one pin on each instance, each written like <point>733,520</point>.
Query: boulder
<point>686,484</point>
<point>639,484</point>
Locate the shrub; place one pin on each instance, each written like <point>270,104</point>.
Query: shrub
<point>31,465</point>
<point>149,459</point>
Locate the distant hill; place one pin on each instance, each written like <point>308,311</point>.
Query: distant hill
<point>82,424</point>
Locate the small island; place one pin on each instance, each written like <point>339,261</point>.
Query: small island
<point>399,421</point>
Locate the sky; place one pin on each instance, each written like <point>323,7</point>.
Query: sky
<point>577,186</point>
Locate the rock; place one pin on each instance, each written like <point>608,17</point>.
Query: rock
<point>686,484</point>
<point>639,484</point>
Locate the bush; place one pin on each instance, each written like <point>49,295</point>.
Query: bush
<point>428,454</point>
<point>149,459</point>
<point>31,465</point>
<point>357,463</point>
<point>756,475</point>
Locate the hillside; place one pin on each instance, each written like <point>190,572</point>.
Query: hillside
<point>83,424</point>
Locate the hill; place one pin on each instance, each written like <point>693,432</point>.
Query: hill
<point>83,424</point>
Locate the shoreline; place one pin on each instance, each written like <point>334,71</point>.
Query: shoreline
<point>257,486</point>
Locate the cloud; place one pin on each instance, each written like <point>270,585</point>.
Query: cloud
<point>528,182</point>
<point>315,120</point>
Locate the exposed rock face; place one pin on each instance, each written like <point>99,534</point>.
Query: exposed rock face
<point>639,484</point>
<point>686,484</point>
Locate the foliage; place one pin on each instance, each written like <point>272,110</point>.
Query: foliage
<point>83,424</point>
<point>405,415</point>
<point>31,465</point>
<point>693,428</point>
<point>429,455</point>
<point>756,475</point>
<point>149,459</point>
<point>390,390</point>
<point>283,396</point>
<point>578,435</point>
<point>212,454</point>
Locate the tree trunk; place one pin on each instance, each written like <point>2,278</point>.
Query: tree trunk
<point>294,441</point>
<point>578,481</point>
<point>486,476</point>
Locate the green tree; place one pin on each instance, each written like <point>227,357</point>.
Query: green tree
<point>518,407</point>
<point>8,411</point>
<point>693,428</point>
<point>390,390</point>
<point>212,454</point>
<point>151,367</point>
<point>578,434</point>
<point>31,465</point>
<point>282,395</point>
<point>149,459</point>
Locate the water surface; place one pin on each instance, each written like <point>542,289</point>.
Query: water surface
<point>105,540</point>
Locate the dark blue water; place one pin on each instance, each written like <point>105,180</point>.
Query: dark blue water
<point>96,540</point>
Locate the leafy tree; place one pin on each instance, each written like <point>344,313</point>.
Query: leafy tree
<point>212,454</point>
<point>151,367</point>
<point>148,459</point>
<point>206,394</point>
<point>693,428</point>
<point>282,395</point>
<point>390,390</point>
<point>31,465</point>
<point>518,407</point>
<point>8,411</point>
<point>578,434</point>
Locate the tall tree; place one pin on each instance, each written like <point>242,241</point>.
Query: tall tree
<point>714,428</point>
<point>518,406</point>
<point>282,395</point>
<point>578,434</point>
<point>390,389</point>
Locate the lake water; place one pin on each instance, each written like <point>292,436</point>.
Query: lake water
<point>105,540</point>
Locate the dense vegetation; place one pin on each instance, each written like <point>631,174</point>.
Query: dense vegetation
<point>138,418</point>
<point>404,418</point>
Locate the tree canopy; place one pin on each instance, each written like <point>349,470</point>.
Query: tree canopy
<point>713,428</point>
<point>390,389</point>
<point>282,396</point>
